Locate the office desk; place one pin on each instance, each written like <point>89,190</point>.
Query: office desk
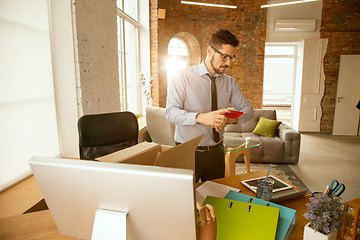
<point>40,225</point>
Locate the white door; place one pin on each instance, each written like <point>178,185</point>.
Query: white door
<point>346,119</point>
<point>312,85</point>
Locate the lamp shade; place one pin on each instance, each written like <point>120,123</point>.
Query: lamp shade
<point>358,105</point>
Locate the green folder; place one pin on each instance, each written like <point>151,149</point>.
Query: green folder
<point>243,221</point>
<point>287,216</point>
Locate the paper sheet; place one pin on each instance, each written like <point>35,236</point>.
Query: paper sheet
<point>209,188</point>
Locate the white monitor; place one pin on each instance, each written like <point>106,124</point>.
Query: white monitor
<point>159,201</point>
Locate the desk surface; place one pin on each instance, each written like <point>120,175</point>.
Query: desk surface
<point>40,225</point>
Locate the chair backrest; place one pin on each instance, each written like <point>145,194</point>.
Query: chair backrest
<point>102,134</point>
<point>160,129</point>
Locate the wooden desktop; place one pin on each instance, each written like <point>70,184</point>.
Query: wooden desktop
<point>40,225</point>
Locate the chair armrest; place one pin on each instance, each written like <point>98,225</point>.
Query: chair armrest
<point>291,139</point>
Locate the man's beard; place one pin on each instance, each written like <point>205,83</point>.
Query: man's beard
<point>217,70</point>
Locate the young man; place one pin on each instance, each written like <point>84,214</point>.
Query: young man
<point>192,99</point>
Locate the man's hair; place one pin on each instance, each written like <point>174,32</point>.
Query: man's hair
<point>221,37</point>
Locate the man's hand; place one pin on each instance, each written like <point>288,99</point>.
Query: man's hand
<point>215,119</point>
<point>206,222</point>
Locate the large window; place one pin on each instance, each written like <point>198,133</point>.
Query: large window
<point>28,123</point>
<point>128,51</point>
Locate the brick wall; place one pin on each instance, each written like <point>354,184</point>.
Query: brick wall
<point>341,25</point>
<point>247,23</point>
<point>96,36</point>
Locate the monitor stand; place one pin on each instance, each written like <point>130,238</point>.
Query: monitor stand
<point>109,224</point>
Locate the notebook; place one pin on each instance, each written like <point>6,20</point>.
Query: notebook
<point>241,220</point>
<point>287,216</point>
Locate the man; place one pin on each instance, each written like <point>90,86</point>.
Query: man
<point>191,99</point>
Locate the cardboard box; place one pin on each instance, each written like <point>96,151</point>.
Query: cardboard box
<point>152,154</point>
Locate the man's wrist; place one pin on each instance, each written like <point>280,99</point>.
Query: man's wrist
<point>197,118</point>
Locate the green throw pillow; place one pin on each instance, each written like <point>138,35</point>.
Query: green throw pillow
<point>266,127</point>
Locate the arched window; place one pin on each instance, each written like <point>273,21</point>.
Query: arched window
<point>178,56</point>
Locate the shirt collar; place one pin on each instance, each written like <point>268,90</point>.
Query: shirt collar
<point>203,69</point>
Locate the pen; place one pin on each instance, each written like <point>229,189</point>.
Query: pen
<point>267,175</point>
<point>326,190</point>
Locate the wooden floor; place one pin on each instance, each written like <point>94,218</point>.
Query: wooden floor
<point>19,198</point>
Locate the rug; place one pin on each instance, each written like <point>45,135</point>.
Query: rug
<point>282,171</point>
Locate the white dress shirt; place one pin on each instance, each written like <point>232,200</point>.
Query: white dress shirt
<point>190,94</point>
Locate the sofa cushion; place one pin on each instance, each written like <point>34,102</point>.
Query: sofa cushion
<point>250,125</point>
<point>266,127</point>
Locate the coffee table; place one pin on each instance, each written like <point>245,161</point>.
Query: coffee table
<point>232,153</point>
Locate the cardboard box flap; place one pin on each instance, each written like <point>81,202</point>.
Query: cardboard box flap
<point>143,153</point>
<point>180,156</point>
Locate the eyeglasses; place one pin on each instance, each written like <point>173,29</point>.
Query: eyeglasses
<point>225,57</point>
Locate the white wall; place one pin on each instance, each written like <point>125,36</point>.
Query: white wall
<point>310,10</point>
<point>63,56</point>
<point>28,122</point>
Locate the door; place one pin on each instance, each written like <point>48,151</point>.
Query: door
<point>312,85</point>
<point>346,119</point>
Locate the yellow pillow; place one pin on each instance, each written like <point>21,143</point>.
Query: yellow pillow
<point>266,127</point>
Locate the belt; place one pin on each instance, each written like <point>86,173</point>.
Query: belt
<point>207,148</point>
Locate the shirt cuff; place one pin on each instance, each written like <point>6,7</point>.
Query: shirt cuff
<point>191,118</point>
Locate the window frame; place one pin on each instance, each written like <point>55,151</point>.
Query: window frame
<point>123,17</point>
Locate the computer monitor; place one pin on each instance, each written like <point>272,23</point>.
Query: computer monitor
<point>159,201</point>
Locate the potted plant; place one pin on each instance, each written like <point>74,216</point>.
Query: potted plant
<point>325,215</point>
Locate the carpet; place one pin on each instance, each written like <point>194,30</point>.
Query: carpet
<point>282,171</point>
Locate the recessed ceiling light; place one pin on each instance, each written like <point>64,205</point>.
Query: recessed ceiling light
<point>208,4</point>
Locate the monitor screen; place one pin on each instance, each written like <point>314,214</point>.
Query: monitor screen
<point>159,201</point>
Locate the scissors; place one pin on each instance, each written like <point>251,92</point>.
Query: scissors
<point>335,188</point>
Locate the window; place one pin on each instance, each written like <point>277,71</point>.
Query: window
<point>279,75</point>
<point>28,123</point>
<point>128,54</point>
<point>178,56</point>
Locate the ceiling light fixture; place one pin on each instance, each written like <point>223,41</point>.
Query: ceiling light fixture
<point>208,4</point>
<point>275,4</point>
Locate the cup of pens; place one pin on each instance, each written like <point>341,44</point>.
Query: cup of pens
<point>264,189</point>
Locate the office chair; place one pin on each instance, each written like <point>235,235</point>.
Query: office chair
<point>102,134</point>
<point>160,129</point>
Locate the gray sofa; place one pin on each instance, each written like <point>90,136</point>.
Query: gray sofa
<point>284,148</point>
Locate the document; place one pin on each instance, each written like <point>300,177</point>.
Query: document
<point>209,188</point>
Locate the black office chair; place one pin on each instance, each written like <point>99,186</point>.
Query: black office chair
<point>102,134</point>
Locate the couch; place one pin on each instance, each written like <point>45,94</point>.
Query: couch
<point>283,148</point>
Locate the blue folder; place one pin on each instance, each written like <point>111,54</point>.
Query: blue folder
<point>287,217</point>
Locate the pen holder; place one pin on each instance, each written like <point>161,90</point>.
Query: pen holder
<point>264,189</point>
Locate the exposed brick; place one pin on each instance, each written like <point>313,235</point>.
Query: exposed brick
<point>96,34</point>
<point>247,22</point>
<point>341,25</point>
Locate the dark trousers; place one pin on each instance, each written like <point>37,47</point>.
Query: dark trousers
<point>209,164</point>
